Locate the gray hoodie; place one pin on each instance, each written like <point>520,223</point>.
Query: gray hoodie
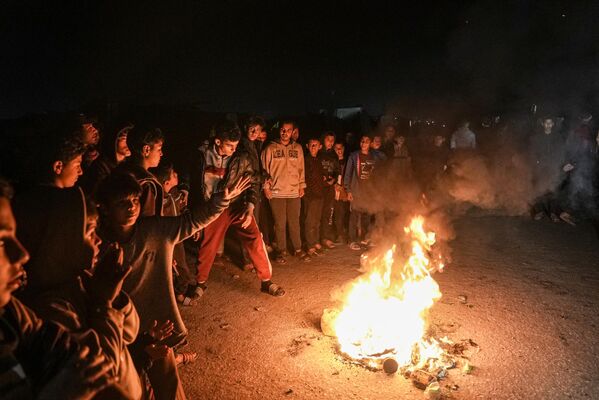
<point>285,167</point>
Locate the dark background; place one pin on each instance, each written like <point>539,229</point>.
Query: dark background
<point>275,57</point>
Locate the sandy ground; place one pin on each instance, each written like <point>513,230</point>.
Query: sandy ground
<point>532,307</point>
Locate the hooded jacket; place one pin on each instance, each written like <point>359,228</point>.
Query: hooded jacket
<point>284,165</point>
<point>240,164</point>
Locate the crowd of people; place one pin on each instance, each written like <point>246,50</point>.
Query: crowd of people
<point>113,239</point>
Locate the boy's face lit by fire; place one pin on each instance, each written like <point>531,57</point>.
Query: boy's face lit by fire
<point>365,144</point>
<point>89,134</point>
<point>66,174</point>
<point>254,132</point>
<point>329,142</point>
<point>12,253</point>
<point>123,212</point>
<point>226,147</point>
<point>121,147</point>
<point>376,143</point>
<point>313,147</point>
<point>339,149</point>
<point>153,154</point>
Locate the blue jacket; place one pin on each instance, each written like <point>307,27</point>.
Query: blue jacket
<point>351,180</point>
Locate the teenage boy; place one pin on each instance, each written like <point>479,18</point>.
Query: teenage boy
<point>341,203</point>
<point>316,181</point>
<point>358,172</point>
<point>64,166</point>
<point>283,162</point>
<point>146,151</point>
<point>216,167</point>
<point>38,357</point>
<point>330,163</point>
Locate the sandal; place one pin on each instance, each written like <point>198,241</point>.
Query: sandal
<point>193,294</point>
<point>281,259</point>
<point>329,244</point>
<point>355,246</point>
<point>302,255</point>
<point>273,289</point>
<point>185,358</point>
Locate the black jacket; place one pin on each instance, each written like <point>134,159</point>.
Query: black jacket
<point>241,164</point>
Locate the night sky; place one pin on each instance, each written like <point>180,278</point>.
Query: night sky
<point>296,56</point>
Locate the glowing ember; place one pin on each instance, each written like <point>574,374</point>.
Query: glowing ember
<point>384,312</point>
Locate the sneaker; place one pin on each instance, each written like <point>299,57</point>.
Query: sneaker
<point>193,293</point>
<point>355,246</point>
<point>538,216</point>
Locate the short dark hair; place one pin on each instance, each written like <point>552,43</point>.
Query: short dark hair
<point>115,186</point>
<point>66,149</point>
<point>255,120</point>
<point>228,130</point>
<point>328,133</point>
<point>163,171</point>
<point>140,136</point>
<point>6,189</point>
<point>287,121</point>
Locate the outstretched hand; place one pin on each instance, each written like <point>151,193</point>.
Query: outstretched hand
<point>106,281</point>
<point>161,332</point>
<point>238,188</point>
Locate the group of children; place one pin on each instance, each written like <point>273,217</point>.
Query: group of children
<point>111,242</point>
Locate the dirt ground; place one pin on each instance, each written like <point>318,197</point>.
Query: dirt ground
<point>532,308</point>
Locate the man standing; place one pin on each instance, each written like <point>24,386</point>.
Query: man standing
<point>283,162</point>
<point>218,166</point>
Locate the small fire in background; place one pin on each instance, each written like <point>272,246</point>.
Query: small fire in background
<point>382,320</point>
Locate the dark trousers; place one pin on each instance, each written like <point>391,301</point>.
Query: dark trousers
<point>286,213</point>
<point>340,214</point>
<point>313,209</point>
<point>359,223</point>
<point>264,218</point>
<point>250,238</point>
<point>326,221</point>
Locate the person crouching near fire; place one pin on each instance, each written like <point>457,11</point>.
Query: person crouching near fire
<point>148,245</point>
<point>38,359</point>
<point>216,167</point>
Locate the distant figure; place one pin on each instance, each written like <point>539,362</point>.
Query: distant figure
<point>463,137</point>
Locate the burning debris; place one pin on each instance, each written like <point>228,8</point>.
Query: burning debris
<point>381,321</point>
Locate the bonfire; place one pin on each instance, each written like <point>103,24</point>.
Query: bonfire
<point>381,321</point>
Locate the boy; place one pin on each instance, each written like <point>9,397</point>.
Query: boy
<point>38,357</point>
<point>216,167</point>
<point>316,181</point>
<point>341,204</point>
<point>330,163</point>
<point>148,245</point>
<point>360,167</point>
<point>146,151</point>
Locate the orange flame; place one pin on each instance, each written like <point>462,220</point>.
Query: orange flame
<point>383,314</point>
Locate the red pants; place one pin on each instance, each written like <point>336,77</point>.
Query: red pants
<point>250,238</point>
